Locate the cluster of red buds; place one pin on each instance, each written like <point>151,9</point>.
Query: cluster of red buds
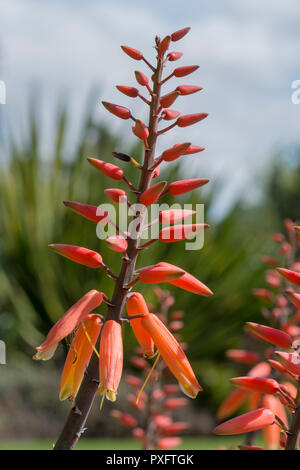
<point>83,368</point>
<point>151,422</point>
<point>272,385</point>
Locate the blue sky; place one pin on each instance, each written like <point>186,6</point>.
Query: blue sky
<point>248,52</point>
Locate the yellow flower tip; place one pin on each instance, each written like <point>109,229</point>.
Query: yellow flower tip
<point>189,390</point>
<point>111,395</point>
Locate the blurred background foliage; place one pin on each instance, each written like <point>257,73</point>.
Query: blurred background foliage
<point>37,286</point>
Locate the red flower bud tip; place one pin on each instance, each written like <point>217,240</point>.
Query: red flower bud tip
<point>171,389</point>
<point>156,172</point>
<point>176,325</point>
<point>256,384</point>
<point>173,403</point>
<point>269,260</point>
<point>262,369</point>
<point>291,361</point>
<point>291,276</point>
<point>92,213</point>
<point>177,315</point>
<point>248,422</point>
<point>108,169</point>
<point>157,274</point>
<point>243,356</point>
<point>117,243</point>
<point>263,294</point>
<point>294,297</point>
<point>128,420</point>
<point>117,110</point>
<point>188,282</point>
<point>161,421</point>
<point>140,130</point>
<point>249,447</point>
<point>180,232</point>
<point>67,323</point>
<point>272,335</point>
<point>167,100</point>
<point>175,428</point>
<point>232,403</point>
<point>194,149</point>
<point>272,278</point>
<point>133,381</point>
<point>172,56</point>
<point>139,362</point>
<point>277,237</point>
<point>175,152</point>
<point>141,78</point>
<point>179,34</point>
<point>116,195</point>
<point>78,254</point>
<point>174,215</point>
<point>169,114</point>
<point>153,193</point>
<point>168,443</point>
<point>184,186</point>
<point>164,45</point>
<point>133,53</point>
<point>188,89</point>
<point>190,119</point>
<point>128,90</point>
<point>136,305</point>
<point>184,71</point>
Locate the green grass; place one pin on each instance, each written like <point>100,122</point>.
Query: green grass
<point>189,443</point>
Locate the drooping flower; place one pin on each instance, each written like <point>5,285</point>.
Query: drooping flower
<point>78,357</point>
<point>67,323</point>
<point>111,359</point>
<point>248,422</point>
<point>93,213</point>
<point>187,281</point>
<point>272,335</point>
<point>172,354</point>
<point>157,274</point>
<point>256,384</point>
<point>136,305</point>
<point>79,254</point>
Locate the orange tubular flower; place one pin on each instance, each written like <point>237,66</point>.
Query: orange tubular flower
<point>185,70</point>
<point>172,354</point>
<point>248,422</point>
<point>291,361</point>
<point>179,34</point>
<point>78,357</point>
<point>187,281</point>
<point>133,53</point>
<point>157,274</point>
<point>175,152</point>
<point>272,335</point>
<point>256,384</point>
<point>92,213</point>
<point>190,119</point>
<point>111,359</point>
<point>135,305</point>
<point>67,323</point>
<point>271,433</point>
<point>108,169</point>
<point>117,110</point>
<point>153,193</point>
<point>291,276</point>
<point>79,254</point>
<point>117,243</point>
<point>177,233</point>
<point>184,186</point>
<point>232,403</point>
<point>174,215</point>
<point>243,356</point>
